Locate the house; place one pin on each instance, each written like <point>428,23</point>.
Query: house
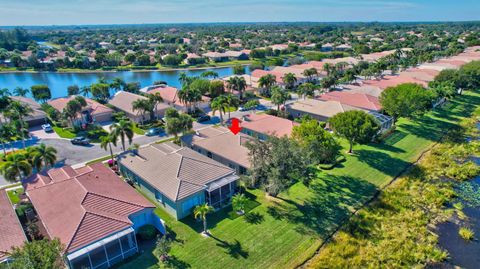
<point>221,145</point>
<point>93,213</point>
<point>93,112</point>
<point>123,100</point>
<point>38,116</point>
<point>280,47</point>
<point>426,75</point>
<point>317,109</point>
<point>11,231</point>
<point>354,99</point>
<point>392,81</point>
<point>258,73</point>
<point>226,56</point>
<point>343,47</point>
<point>178,177</point>
<point>170,97</point>
<point>264,125</point>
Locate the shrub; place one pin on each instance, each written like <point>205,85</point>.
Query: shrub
<point>147,232</point>
<point>466,233</point>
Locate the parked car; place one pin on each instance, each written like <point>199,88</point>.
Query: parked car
<point>154,131</point>
<point>242,108</point>
<point>80,140</point>
<point>203,118</point>
<point>47,128</point>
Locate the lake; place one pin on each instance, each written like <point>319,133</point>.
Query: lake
<point>58,82</point>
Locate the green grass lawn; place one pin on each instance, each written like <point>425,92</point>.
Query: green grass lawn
<point>286,231</point>
<point>64,133</point>
<point>137,130</point>
<point>14,195</point>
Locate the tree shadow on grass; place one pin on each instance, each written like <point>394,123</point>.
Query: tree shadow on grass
<point>333,199</point>
<point>174,262</point>
<point>381,161</point>
<point>254,218</point>
<point>234,249</point>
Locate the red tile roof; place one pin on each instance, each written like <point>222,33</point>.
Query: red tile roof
<point>95,107</point>
<point>392,81</point>
<point>268,124</point>
<point>11,232</point>
<point>258,73</point>
<point>84,205</point>
<point>169,95</point>
<point>355,99</point>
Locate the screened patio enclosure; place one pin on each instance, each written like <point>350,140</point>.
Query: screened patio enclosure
<point>106,252</point>
<point>219,193</point>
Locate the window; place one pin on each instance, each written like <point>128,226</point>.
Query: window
<point>81,262</point>
<point>114,251</point>
<point>209,154</point>
<point>98,256</point>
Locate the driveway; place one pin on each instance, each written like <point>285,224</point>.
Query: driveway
<point>39,133</point>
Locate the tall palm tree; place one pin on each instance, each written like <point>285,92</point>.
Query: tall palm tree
<point>233,102</point>
<point>123,129</point>
<point>236,83</point>
<point>183,78</point>
<point>219,104</point>
<point>267,82</point>
<point>6,133</point>
<point>142,106</point>
<point>201,211</point>
<point>44,156</point>
<point>118,84</point>
<point>19,91</point>
<point>209,74</point>
<point>155,99</point>
<point>289,80</point>
<point>16,167</point>
<point>306,89</point>
<point>279,96</point>
<point>18,111</point>
<point>86,90</point>
<point>106,144</point>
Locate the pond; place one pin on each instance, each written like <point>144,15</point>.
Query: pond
<point>58,82</point>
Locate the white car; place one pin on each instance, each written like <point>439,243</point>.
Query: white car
<point>47,128</point>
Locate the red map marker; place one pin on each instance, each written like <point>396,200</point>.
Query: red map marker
<point>235,126</point>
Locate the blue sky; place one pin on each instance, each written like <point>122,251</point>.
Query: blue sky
<point>61,12</point>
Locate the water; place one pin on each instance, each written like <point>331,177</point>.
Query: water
<point>58,82</point>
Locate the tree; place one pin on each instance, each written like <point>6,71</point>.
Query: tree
<point>41,93</point>
<point>289,80</point>
<point>16,167</point>
<point>142,106</point>
<point>233,102</point>
<point>162,248</point>
<point>86,90</point>
<point>44,156</point>
<point>106,141</point>
<point>100,91</point>
<point>277,163</point>
<point>239,202</point>
<point>238,70</point>
<point>319,144</point>
<point>201,211</point>
<point>19,91</point>
<point>405,100</point>
<point>356,126</point>
<point>133,87</point>
<point>279,96</point>
<point>123,129</point>
<point>17,111</point>
<point>237,84</point>
<point>73,108</point>
<point>310,73</point>
<point>7,131</point>
<point>118,84</point>
<point>266,82</point>
<point>73,90</point>
<point>220,104</point>
<point>38,254</point>
<point>155,99</point>
<point>209,74</point>
<point>217,88</point>
<point>306,89</point>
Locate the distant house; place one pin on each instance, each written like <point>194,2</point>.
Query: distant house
<point>225,56</point>
<point>93,112</point>
<point>358,100</point>
<point>326,47</point>
<point>264,125</point>
<point>123,100</point>
<point>343,47</point>
<point>11,231</point>
<point>38,116</point>
<point>170,97</point>
<point>93,213</point>
<point>178,177</point>
<point>221,145</point>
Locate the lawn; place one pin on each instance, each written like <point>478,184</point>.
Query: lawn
<point>14,195</point>
<point>63,132</point>
<point>286,231</point>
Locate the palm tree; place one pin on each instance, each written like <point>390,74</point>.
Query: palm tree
<point>209,74</point>
<point>86,91</point>
<point>123,129</point>
<point>306,89</point>
<point>106,142</point>
<point>267,82</point>
<point>201,211</point>
<point>142,106</point>
<point>219,104</point>
<point>44,156</point>
<point>279,96</point>
<point>310,73</point>
<point>6,133</point>
<point>118,84</point>
<point>18,111</point>
<point>16,167</point>
<point>155,99</point>
<point>19,91</point>
<point>289,80</point>
<point>183,78</point>
<point>232,101</point>
<point>239,201</point>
